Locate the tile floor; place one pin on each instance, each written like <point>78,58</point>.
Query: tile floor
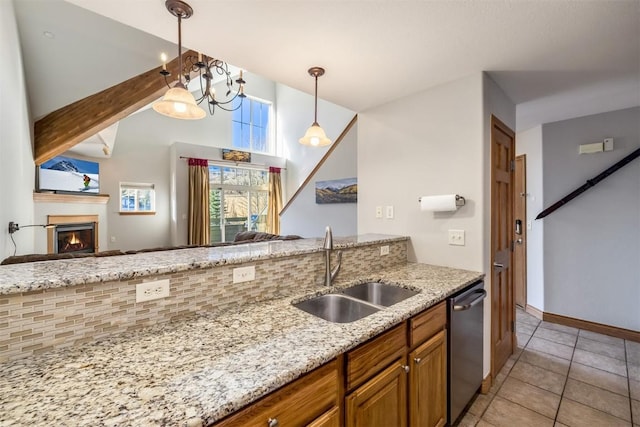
<point>562,376</point>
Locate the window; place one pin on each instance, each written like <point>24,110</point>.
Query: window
<point>251,126</point>
<point>137,198</point>
<point>238,201</point>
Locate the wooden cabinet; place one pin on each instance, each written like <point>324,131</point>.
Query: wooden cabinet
<point>331,418</point>
<point>381,401</point>
<point>304,401</point>
<point>428,383</point>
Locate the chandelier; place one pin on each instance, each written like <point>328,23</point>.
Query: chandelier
<point>178,102</point>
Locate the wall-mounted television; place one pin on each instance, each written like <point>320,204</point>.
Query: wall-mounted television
<point>66,175</point>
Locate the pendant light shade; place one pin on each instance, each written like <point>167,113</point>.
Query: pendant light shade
<point>315,135</point>
<point>179,103</point>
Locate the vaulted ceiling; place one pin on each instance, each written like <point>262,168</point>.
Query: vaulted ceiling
<point>374,51</point>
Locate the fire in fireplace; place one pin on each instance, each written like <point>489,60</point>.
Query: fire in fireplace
<point>75,238</point>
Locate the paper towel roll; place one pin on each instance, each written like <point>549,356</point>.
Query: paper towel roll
<point>443,203</point>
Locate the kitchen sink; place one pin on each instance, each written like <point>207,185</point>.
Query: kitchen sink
<point>336,308</point>
<point>379,293</point>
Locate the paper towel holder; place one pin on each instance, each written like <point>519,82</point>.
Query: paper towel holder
<point>460,201</point>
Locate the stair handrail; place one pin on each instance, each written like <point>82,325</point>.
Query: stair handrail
<point>590,183</point>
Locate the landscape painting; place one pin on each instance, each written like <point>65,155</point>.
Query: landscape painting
<point>337,191</point>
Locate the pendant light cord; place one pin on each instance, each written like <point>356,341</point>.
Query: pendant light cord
<point>180,48</point>
<point>315,116</point>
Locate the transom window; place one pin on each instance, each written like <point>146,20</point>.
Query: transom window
<point>251,125</point>
<point>238,201</point>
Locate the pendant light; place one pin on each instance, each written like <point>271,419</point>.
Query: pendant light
<point>178,102</point>
<point>315,136</point>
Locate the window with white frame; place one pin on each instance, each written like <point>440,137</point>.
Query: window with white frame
<point>251,125</point>
<point>137,197</point>
<point>238,201</point>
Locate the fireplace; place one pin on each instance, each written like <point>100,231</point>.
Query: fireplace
<point>72,234</point>
<point>75,238</point>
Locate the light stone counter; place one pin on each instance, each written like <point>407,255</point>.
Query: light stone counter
<point>198,370</point>
<point>33,276</point>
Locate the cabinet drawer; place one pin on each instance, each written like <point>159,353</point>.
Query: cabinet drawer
<point>426,324</point>
<point>370,358</point>
<point>297,403</point>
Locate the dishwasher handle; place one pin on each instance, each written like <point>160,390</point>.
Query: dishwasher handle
<point>466,304</point>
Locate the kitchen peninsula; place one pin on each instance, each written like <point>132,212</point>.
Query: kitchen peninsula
<point>87,354</point>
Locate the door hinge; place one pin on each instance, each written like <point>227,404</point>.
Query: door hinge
<point>513,165</point>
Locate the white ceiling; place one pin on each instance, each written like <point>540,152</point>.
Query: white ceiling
<point>373,51</point>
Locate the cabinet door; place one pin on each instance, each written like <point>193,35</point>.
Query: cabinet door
<point>428,383</point>
<point>381,401</point>
<point>331,418</point>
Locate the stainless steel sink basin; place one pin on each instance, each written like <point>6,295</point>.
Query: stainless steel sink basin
<point>336,308</point>
<point>379,293</point>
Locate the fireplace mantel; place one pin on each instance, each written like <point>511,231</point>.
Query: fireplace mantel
<point>69,198</point>
<point>69,219</point>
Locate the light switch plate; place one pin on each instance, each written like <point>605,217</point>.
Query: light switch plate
<point>244,274</point>
<point>378,211</point>
<point>389,212</point>
<point>456,237</point>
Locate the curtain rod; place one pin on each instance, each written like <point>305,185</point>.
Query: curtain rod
<point>235,163</point>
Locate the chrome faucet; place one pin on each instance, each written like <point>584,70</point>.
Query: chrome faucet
<point>328,247</point>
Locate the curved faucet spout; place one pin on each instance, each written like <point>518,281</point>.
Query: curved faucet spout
<point>330,274</point>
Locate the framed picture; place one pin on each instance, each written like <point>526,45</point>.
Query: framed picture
<point>337,191</point>
<point>235,155</point>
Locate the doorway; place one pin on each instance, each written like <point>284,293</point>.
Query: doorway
<point>520,246</point>
<point>502,228</point>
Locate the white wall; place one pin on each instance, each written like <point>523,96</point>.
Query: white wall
<point>295,115</point>
<point>426,144</point>
<point>306,218</point>
<point>592,244</point>
<point>17,170</point>
<point>529,142</point>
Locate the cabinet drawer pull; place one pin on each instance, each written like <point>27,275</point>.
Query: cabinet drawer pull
<point>273,422</point>
<point>417,360</point>
<point>406,368</point>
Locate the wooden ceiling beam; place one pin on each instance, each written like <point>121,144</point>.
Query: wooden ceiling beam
<point>60,130</point>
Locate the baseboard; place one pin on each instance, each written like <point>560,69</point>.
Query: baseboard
<point>534,311</point>
<point>600,328</point>
<point>486,384</point>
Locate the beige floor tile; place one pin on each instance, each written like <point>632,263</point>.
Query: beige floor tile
<point>531,397</point>
<point>556,336</point>
<point>598,398</point>
<point>560,425</point>
<point>599,361</point>
<point>634,389</point>
<point>558,327</point>
<point>612,350</point>
<point>599,378</point>
<point>525,328</point>
<point>480,404</point>
<point>575,414</point>
<point>634,372</point>
<point>503,413</point>
<point>539,377</point>
<point>522,340</point>
<point>545,360</point>
<point>551,347</point>
<point>522,317</point>
<point>600,337</point>
<point>483,423</point>
<point>633,352</point>
<point>635,411</point>
<point>468,420</point>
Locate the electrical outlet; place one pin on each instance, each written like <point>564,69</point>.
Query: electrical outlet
<point>456,237</point>
<point>378,211</point>
<point>244,274</point>
<point>152,290</point>
<point>384,250</point>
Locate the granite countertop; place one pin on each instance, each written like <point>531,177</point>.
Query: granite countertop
<point>197,370</point>
<point>16,278</point>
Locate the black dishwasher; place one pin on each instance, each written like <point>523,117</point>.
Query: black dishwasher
<point>465,316</point>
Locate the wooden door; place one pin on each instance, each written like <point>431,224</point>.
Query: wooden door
<point>520,247</point>
<point>381,401</point>
<point>331,418</point>
<point>428,383</point>
<point>502,221</point>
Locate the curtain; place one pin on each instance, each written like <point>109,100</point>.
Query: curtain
<point>275,201</point>
<point>199,227</point>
